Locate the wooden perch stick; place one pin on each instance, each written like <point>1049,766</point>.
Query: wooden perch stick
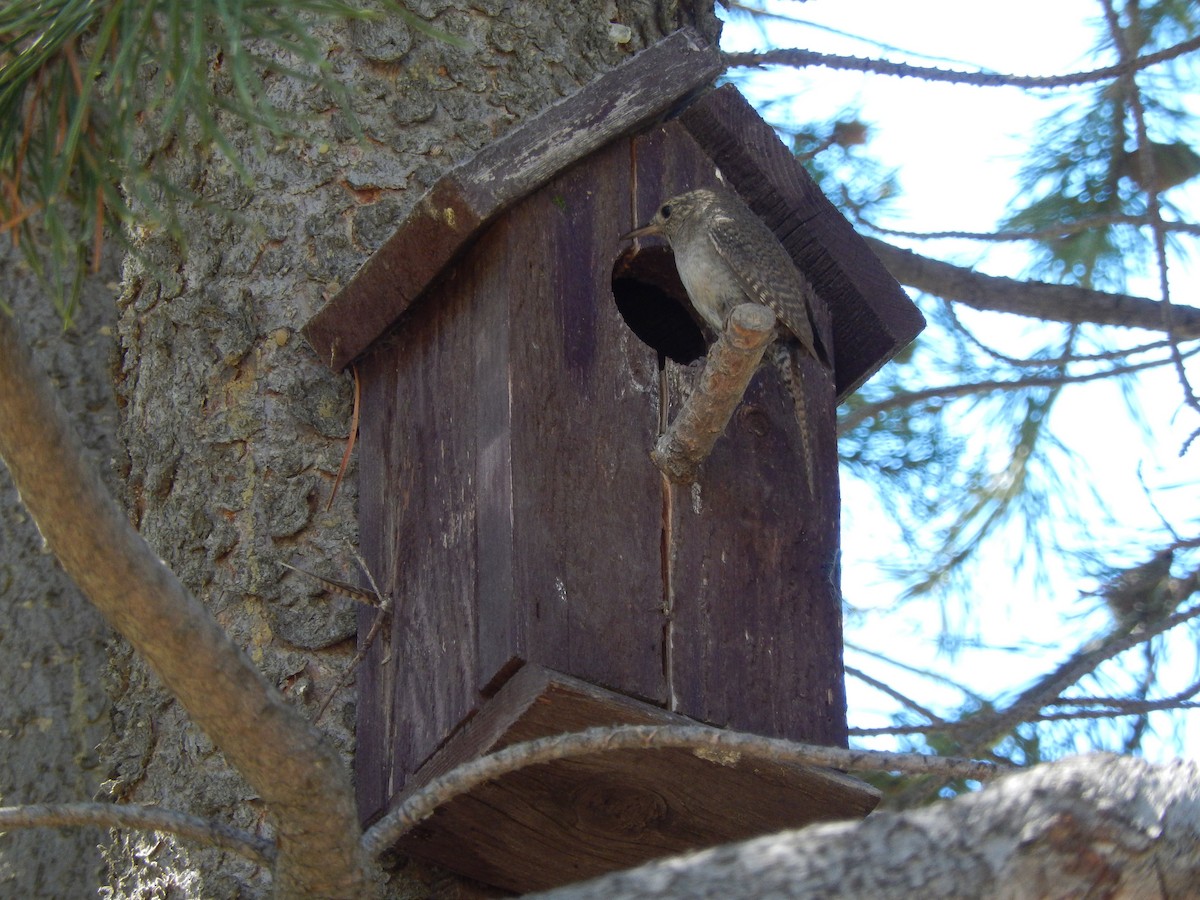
<point>732,361</point>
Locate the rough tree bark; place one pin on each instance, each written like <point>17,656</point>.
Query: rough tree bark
<point>1098,826</point>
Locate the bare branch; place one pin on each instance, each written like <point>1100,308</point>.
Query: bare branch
<point>855,417</point>
<point>1135,706</point>
<point>801,58</point>
<point>1119,709</point>
<point>285,759</point>
<point>933,718</point>
<point>1108,714</point>
<point>141,818</point>
<point>1049,361</point>
<point>341,588</point>
<point>399,821</point>
<point>1064,229</point>
<point>1048,689</point>
<point>1088,826</point>
<point>1038,299</point>
<point>935,677</point>
<point>384,614</point>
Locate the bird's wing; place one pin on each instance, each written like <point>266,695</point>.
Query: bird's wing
<point>766,273</point>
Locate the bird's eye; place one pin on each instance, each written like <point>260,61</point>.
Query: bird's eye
<point>665,212</point>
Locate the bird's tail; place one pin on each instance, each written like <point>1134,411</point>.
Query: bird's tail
<point>787,361</point>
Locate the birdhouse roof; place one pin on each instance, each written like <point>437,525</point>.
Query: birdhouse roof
<point>873,317</point>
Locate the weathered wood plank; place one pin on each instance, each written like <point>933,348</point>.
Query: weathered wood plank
<point>466,199</point>
<point>509,498</point>
<point>509,503</point>
<point>587,580</point>
<point>512,715</point>
<point>756,636</point>
<point>373,711</point>
<point>419,518</point>
<point>873,319</point>
<point>573,819</point>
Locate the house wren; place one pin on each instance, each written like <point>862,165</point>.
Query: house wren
<point>727,256</point>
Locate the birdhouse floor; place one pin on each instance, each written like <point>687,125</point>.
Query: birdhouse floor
<point>573,819</point>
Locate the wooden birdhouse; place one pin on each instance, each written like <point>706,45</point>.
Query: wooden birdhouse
<point>517,365</point>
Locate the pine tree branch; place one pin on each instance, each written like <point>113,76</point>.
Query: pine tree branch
<point>1037,299</point>
<point>936,677</point>
<point>291,765</point>
<point>801,58</point>
<point>890,691</point>
<point>1146,175</point>
<point>1045,362</point>
<point>1065,229</point>
<point>1048,689</point>
<point>858,415</point>
<point>1131,705</point>
<point>1118,709</point>
<point>142,818</point>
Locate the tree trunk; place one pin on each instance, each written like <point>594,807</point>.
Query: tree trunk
<point>233,431</point>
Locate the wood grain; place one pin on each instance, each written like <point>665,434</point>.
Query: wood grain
<point>573,819</point>
<point>507,421</point>
<point>419,515</point>
<point>462,202</point>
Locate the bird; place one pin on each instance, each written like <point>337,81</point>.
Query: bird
<point>727,256</point>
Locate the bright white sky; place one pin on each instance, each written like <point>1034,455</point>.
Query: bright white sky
<point>957,149</point>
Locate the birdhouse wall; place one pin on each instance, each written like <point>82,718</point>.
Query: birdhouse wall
<point>510,507</point>
<point>755,589</point>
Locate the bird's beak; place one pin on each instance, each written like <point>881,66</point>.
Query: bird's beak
<point>644,231</point>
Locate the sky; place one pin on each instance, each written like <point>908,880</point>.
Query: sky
<point>958,149</point>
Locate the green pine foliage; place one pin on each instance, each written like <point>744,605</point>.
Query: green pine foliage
<point>95,93</point>
<point>1085,185</point>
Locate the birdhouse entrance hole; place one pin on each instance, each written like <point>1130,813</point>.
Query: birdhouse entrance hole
<point>651,299</point>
